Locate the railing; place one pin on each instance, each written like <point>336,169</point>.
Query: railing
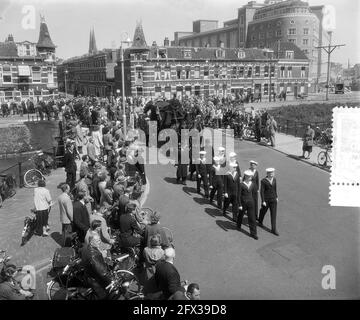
<point>19,168</point>
<point>298,128</point>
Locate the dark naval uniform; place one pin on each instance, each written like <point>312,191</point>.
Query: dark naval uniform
<point>247,202</point>
<point>268,192</point>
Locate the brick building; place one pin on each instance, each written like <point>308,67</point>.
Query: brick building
<point>90,74</point>
<point>167,70</point>
<point>27,69</point>
<point>261,25</point>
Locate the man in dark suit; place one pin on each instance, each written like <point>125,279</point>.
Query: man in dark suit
<point>231,191</point>
<point>247,203</point>
<point>167,277</point>
<point>216,182</point>
<point>202,171</point>
<point>255,180</point>
<point>81,220</point>
<point>70,165</point>
<point>269,199</point>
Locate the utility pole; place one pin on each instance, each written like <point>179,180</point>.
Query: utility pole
<point>329,49</point>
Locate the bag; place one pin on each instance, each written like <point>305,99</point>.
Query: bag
<point>62,257</point>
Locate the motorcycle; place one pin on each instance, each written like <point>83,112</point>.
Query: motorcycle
<point>7,187</point>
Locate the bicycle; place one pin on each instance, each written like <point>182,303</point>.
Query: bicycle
<point>42,168</point>
<point>324,157</point>
<point>7,187</point>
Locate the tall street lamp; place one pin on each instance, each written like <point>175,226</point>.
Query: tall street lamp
<point>66,72</point>
<point>127,41</point>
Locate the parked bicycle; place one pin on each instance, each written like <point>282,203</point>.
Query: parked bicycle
<point>7,187</point>
<point>324,157</point>
<point>43,165</point>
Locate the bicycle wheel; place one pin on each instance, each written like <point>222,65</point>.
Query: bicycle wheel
<point>132,289</point>
<point>55,291</point>
<point>247,133</point>
<point>322,158</point>
<point>31,178</point>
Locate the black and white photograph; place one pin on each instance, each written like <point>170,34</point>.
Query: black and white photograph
<point>179,150</point>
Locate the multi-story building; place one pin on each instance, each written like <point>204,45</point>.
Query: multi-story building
<point>90,74</point>
<point>262,25</point>
<point>164,70</point>
<point>27,69</point>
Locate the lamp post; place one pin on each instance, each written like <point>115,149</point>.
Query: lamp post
<point>66,72</point>
<point>128,41</point>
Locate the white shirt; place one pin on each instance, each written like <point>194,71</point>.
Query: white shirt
<point>42,198</point>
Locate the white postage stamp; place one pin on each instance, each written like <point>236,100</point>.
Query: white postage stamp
<point>345,169</point>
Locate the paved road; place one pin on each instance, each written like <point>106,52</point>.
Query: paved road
<point>228,264</point>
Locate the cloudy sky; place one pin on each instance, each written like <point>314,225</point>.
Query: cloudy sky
<point>69,21</point>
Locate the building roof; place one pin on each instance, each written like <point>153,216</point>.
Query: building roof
<point>8,49</point>
<point>280,51</point>
<point>44,36</point>
<point>139,37</point>
<point>203,53</point>
<point>92,42</point>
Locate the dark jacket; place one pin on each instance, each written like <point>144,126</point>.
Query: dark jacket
<point>247,195</point>
<point>95,265</point>
<point>255,179</point>
<point>81,219</point>
<point>167,278</point>
<point>69,161</point>
<point>128,225</point>
<point>152,229</point>
<point>232,186</point>
<point>215,177</point>
<point>267,190</point>
<point>153,112</point>
<point>203,168</point>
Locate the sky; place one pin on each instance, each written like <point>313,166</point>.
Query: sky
<point>70,21</point>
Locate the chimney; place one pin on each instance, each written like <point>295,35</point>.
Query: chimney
<point>166,42</point>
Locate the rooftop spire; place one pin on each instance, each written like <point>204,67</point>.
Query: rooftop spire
<point>139,37</point>
<point>92,42</point>
<point>45,41</point>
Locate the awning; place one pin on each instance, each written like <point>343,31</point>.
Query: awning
<point>24,71</point>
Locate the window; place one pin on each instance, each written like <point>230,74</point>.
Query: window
<point>253,37</point>
<point>216,71</point>
<point>233,72</point>
<point>6,76</point>
<point>241,72</point>
<point>288,88</point>
<point>187,72</point>
<point>266,89</point>
<point>139,73</point>
<point>292,41</point>
<point>306,31</point>
<point>292,31</point>
<point>289,54</point>
<point>241,54</point>
<point>220,53</point>
<point>187,54</point>
<point>197,72</point>
<point>241,19</point>
<point>278,33</point>
<point>302,72</point>
<point>167,73</point>
<point>50,75</point>
<point>157,73</point>
<point>306,51</point>
<point>36,74</point>
<point>224,72</point>
<point>178,72</point>
<point>282,72</point>
<point>157,92</point>
<point>305,42</point>
<point>206,72</point>
<point>292,21</point>
<point>257,71</point>
<point>206,91</point>
<point>249,74</point>
<point>262,35</point>
<point>162,53</point>
<point>270,34</point>
<point>272,88</point>
<point>266,71</point>
<point>289,73</point>
<point>272,71</point>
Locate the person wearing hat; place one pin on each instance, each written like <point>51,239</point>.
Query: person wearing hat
<point>70,165</point>
<point>255,180</point>
<point>152,254</point>
<point>202,171</point>
<point>9,288</point>
<point>247,203</point>
<point>119,187</point>
<point>231,191</point>
<point>154,228</point>
<point>129,226</point>
<point>216,182</point>
<point>232,158</point>
<point>269,199</point>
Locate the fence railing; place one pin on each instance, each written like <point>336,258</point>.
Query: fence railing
<point>19,168</point>
<point>298,128</point>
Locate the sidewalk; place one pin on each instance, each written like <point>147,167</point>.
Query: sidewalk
<point>292,146</point>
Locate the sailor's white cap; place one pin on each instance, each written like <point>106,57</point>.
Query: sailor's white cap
<point>270,170</point>
<point>248,173</point>
<point>253,162</point>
